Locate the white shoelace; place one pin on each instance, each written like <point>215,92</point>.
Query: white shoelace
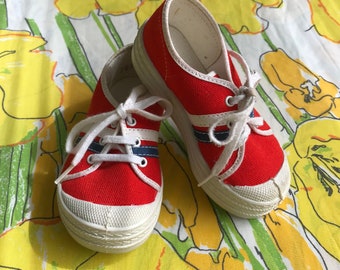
<point>240,123</point>
<point>96,125</point>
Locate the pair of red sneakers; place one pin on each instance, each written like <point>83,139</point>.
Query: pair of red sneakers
<point>110,191</point>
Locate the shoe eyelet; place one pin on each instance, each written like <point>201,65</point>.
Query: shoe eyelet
<point>138,142</point>
<point>131,122</point>
<point>101,141</point>
<point>143,162</point>
<point>228,101</point>
<point>89,160</point>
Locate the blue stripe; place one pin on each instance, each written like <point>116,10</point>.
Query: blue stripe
<point>203,136</point>
<point>142,151</point>
<point>94,146</point>
<point>221,135</point>
<point>146,151</point>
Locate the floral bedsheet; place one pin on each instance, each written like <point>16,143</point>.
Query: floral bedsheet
<point>51,56</point>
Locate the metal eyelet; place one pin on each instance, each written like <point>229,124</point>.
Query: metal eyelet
<point>138,142</point>
<point>143,162</point>
<point>89,160</point>
<point>227,101</point>
<point>131,122</point>
<point>101,141</point>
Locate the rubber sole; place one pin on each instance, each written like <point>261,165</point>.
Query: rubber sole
<point>107,239</point>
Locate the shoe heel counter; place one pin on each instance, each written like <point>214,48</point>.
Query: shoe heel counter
<point>153,39</point>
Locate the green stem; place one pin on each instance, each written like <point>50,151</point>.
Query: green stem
<point>30,157</point>
<point>232,235</point>
<point>35,30</point>
<point>181,247</point>
<point>3,15</point>
<point>102,30</point>
<point>61,129</point>
<point>268,41</point>
<point>6,155</point>
<point>229,39</point>
<point>275,111</point>
<point>170,134</point>
<point>268,249</point>
<point>76,50</point>
<point>16,168</point>
<point>113,31</point>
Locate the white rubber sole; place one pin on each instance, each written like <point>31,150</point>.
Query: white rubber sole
<point>108,239</point>
<point>235,200</point>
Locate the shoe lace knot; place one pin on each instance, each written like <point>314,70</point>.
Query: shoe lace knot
<point>111,138</point>
<point>240,122</point>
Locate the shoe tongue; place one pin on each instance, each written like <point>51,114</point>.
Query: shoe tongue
<point>225,70</point>
<point>236,79</point>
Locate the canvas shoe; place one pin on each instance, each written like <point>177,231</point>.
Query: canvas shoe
<point>110,191</point>
<point>179,54</point>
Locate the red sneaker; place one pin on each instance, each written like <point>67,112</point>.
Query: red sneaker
<point>180,54</point>
<point>110,191</point>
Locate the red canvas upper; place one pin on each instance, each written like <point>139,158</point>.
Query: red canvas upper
<point>263,155</point>
<point>115,183</point>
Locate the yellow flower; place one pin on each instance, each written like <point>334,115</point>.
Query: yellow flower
<point>28,93</point>
<point>239,16</point>
<point>303,90</point>
<point>146,9</point>
<point>325,18</point>
<point>203,260</point>
<point>82,8</point>
<point>45,244</point>
<point>315,161</point>
<point>76,100</point>
<point>198,217</point>
<point>286,230</point>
